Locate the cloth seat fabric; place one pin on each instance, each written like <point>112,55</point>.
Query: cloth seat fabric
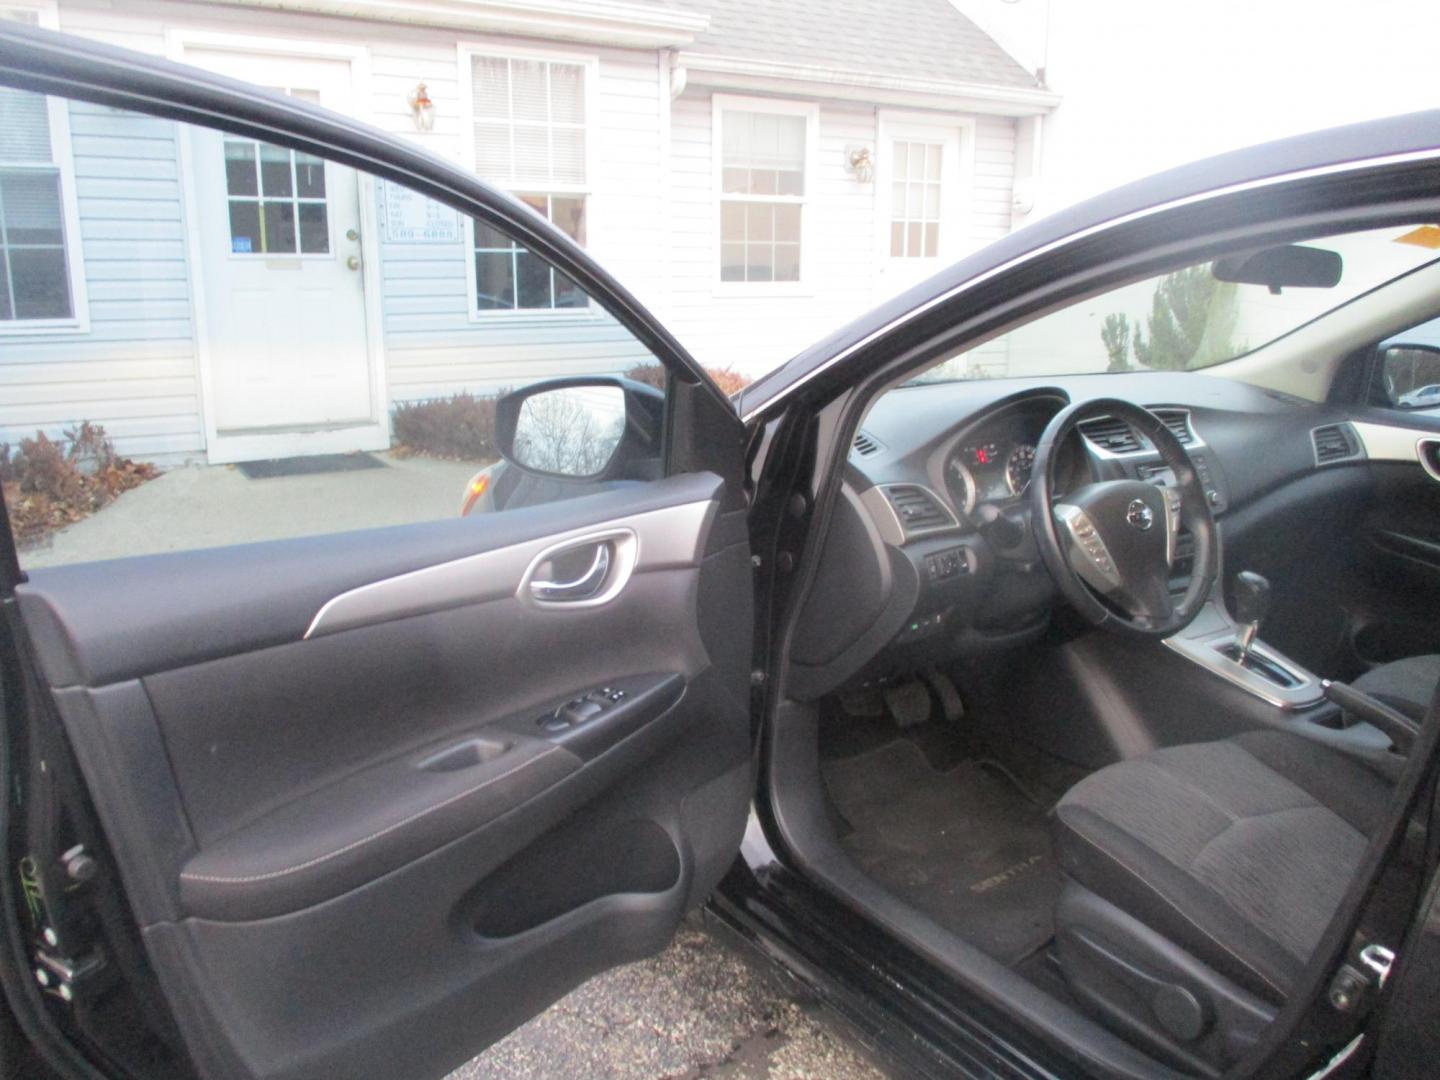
<point>1238,851</point>
<point>1405,685</point>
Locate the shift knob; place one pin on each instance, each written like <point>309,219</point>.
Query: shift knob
<point>1252,597</point>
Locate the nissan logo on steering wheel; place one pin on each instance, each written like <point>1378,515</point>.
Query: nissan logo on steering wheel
<point>1139,515</point>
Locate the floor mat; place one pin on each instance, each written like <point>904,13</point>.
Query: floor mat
<point>963,846</point>
<point>308,466</point>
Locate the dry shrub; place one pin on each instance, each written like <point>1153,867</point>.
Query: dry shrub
<point>728,379</point>
<point>51,483</point>
<point>460,427</point>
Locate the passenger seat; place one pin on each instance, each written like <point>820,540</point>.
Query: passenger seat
<point>1405,685</point>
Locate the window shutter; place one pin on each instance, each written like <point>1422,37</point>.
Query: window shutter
<point>24,127</point>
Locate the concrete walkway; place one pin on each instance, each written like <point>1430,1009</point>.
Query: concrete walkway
<point>197,506</point>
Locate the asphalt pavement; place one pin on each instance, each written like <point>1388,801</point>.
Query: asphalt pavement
<point>702,1008</point>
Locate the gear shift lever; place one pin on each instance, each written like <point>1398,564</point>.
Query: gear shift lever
<point>1252,601</point>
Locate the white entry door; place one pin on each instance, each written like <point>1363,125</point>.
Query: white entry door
<point>921,192</point>
<point>288,359</point>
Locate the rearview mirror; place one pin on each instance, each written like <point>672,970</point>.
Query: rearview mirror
<point>1290,266</point>
<point>585,428</point>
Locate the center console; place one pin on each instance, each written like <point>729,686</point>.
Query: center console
<point>1215,642</point>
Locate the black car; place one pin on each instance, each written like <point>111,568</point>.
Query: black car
<point>998,707</point>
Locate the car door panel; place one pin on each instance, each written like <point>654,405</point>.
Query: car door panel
<point>363,852</point>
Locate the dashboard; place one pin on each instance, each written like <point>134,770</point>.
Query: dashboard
<point>929,555</point>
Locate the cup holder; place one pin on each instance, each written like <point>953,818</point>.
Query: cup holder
<point>464,755</point>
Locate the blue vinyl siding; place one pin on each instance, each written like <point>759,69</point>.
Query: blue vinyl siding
<point>434,349</point>
<point>134,370</point>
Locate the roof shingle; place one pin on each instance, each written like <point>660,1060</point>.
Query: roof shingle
<point>925,38</point>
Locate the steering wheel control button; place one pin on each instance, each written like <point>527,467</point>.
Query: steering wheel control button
<point>1089,556</point>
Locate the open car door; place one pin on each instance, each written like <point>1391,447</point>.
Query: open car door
<point>357,802</point>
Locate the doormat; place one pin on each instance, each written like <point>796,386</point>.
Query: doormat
<point>308,466</point>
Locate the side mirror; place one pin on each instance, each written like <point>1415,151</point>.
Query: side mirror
<point>1409,377</point>
<point>1287,267</point>
<point>596,427</point>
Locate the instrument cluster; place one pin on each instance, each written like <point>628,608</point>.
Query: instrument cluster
<point>989,470</point>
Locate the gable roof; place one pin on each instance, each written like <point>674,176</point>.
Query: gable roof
<point>916,38</point>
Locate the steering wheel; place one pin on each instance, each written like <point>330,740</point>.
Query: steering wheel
<point>1110,545</point>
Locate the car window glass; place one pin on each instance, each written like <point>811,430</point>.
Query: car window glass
<point>1189,319</point>
<point>209,339</point>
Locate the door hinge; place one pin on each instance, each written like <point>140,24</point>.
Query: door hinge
<point>1351,982</point>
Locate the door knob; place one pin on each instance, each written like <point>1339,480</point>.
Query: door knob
<point>352,235</point>
<point>353,262</point>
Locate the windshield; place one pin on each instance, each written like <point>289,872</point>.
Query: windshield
<point>1187,320</point>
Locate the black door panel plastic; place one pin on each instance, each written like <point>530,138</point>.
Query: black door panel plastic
<point>193,606</point>
<point>366,853</point>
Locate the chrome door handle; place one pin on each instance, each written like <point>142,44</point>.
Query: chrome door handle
<point>582,588</point>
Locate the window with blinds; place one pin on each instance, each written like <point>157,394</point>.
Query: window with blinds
<point>34,262</point>
<point>530,136</point>
<point>762,192</point>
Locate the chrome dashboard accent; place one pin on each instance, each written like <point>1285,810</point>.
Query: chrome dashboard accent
<point>1427,449</point>
<point>1216,632</point>
<point>615,554</point>
<point>1161,411</point>
<point>899,529</point>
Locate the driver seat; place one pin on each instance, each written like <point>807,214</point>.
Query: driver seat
<point>1198,880</point>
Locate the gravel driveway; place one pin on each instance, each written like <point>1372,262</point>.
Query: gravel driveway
<point>702,1008</point>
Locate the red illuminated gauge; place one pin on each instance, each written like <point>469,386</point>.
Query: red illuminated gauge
<point>983,454</point>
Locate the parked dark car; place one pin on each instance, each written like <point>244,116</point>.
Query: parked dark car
<point>1077,722</point>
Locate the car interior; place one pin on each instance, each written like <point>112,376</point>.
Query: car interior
<point>1101,667</point>
<point>1115,761</point>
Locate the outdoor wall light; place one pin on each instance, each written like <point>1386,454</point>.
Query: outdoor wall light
<point>422,109</point>
<point>859,163</point>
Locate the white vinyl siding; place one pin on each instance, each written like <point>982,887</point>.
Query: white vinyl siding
<point>754,330</point>
<point>134,370</point>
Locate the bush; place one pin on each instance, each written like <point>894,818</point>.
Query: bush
<point>728,378</point>
<point>52,483</point>
<point>460,427</point>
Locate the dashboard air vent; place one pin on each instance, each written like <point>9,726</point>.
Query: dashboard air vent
<point>865,444</point>
<point>1335,442</point>
<point>919,511</point>
<point>1179,425</point>
<point>1111,434</point>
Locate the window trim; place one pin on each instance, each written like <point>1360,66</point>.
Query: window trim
<point>810,111</point>
<point>63,160</point>
<point>590,62</point>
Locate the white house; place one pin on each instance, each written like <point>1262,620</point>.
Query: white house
<point>757,173</point>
